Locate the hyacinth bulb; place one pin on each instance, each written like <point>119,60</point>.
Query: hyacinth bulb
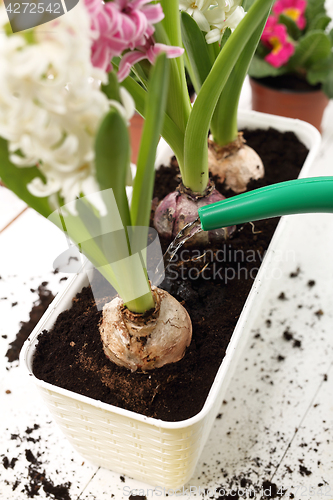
<point>180,208</point>
<point>146,341</point>
<point>235,164</point>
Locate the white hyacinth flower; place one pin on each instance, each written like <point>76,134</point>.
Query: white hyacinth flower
<point>197,9</point>
<point>214,16</point>
<point>51,104</point>
<point>230,15</point>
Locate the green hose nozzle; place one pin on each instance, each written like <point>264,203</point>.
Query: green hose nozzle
<point>313,194</point>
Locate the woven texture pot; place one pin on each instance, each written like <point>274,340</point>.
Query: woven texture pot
<point>306,106</point>
<point>157,452</point>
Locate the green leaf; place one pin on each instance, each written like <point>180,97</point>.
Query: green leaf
<point>156,100</point>
<point>195,174</point>
<point>310,49</point>
<point>155,104</point>
<point>140,75</point>
<point>262,51</point>
<point>168,31</point>
<point>320,71</point>
<point>319,22</point>
<point>261,69</point>
<point>328,86</point>
<point>225,37</point>
<point>190,75</point>
<point>154,115</point>
<point>17,178</point>
<point>224,121</point>
<point>247,4</point>
<point>171,133</point>
<point>171,21</point>
<point>313,9</point>
<point>112,159</point>
<point>292,28</point>
<point>111,89</point>
<point>105,248</point>
<point>330,36</point>
<point>178,104</point>
<point>196,48</point>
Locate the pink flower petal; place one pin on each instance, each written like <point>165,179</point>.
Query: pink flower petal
<point>125,25</point>
<point>169,50</point>
<point>294,9</point>
<point>280,57</point>
<point>127,61</point>
<point>153,13</point>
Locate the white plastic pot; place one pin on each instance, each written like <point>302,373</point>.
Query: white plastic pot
<point>160,453</point>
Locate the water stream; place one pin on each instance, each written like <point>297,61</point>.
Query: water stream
<point>182,237</point>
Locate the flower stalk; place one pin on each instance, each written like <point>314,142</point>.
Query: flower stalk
<point>77,156</point>
<point>113,141</point>
<point>64,118</point>
<point>195,174</point>
<point>223,125</point>
<point>71,136</point>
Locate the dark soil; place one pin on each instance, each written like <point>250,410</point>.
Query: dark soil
<point>213,288</point>
<point>45,298</point>
<point>282,155</point>
<point>288,82</point>
<point>36,480</point>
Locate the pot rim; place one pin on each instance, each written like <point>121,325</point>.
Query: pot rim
<point>256,81</point>
<point>308,135</point>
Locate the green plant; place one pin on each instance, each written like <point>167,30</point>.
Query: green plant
<point>217,71</point>
<point>298,41</point>
<point>65,145</point>
<point>65,150</point>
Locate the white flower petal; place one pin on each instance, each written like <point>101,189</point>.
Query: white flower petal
<point>235,18</point>
<point>51,103</point>
<point>213,36</point>
<point>184,4</point>
<point>203,5</point>
<point>37,187</point>
<point>22,162</point>
<point>119,107</point>
<point>216,17</point>
<point>201,20</point>
<point>128,102</point>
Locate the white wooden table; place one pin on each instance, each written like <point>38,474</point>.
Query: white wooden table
<point>277,423</point>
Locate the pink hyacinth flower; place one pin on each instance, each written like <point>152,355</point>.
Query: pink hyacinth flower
<point>120,25</point>
<point>276,38</point>
<point>148,51</point>
<point>294,9</point>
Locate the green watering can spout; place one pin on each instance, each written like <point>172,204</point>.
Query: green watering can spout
<point>314,194</point>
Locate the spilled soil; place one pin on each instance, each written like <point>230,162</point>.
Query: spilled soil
<point>45,298</point>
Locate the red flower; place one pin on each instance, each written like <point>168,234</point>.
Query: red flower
<point>275,37</point>
<point>294,9</point>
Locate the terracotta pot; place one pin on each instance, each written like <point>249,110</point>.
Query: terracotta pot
<point>136,127</point>
<point>306,106</point>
